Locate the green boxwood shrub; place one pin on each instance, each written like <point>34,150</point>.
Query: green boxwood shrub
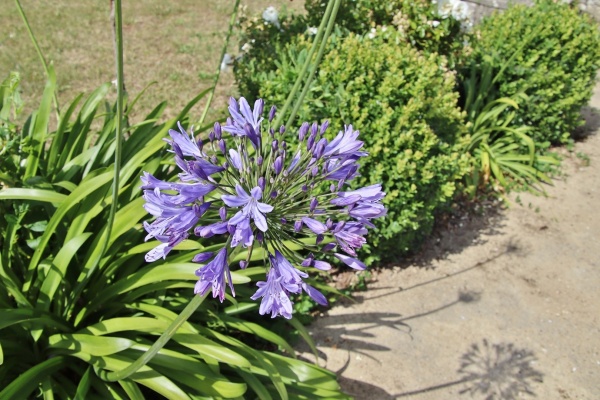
<point>550,51</point>
<point>404,104</point>
<point>416,22</point>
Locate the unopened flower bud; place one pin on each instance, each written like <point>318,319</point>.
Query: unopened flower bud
<point>278,165</point>
<point>328,247</point>
<point>217,129</point>
<point>302,131</point>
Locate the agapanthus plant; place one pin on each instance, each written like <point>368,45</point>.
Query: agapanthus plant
<point>261,191</point>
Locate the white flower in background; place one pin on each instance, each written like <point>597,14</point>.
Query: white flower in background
<point>271,16</point>
<point>458,9</point>
<point>226,62</point>
<point>246,47</point>
<point>435,23</point>
<point>312,30</point>
<point>372,34</point>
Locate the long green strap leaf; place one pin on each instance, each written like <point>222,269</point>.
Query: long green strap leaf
<point>47,196</point>
<point>58,270</point>
<point>84,385</point>
<point>89,344</point>
<point>90,184</point>
<point>157,346</point>
<point>38,134</point>
<point>14,316</point>
<point>27,382</point>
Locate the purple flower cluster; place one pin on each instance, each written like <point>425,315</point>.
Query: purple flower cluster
<point>257,191</point>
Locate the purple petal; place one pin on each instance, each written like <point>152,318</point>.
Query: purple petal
<point>315,294</point>
<point>314,225</point>
<point>351,262</point>
<point>235,158</point>
<point>202,257</point>
<point>259,220</point>
<point>256,192</point>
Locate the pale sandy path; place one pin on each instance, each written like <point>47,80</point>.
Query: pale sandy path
<point>524,289</point>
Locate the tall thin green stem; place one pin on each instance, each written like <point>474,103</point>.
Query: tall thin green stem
<point>118,122</point>
<point>39,52</point>
<point>157,346</point>
<point>218,71</point>
<point>315,64</point>
<point>320,36</point>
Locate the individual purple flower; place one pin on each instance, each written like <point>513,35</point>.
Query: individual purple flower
<point>252,207</point>
<point>315,294</point>
<point>336,169</point>
<point>292,277</point>
<point>242,115</point>
<point>345,144</point>
<point>185,142</point>
<point>213,275</point>
<point>371,193</point>
<point>368,211</point>
<point>318,264</point>
<point>351,261</point>
<point>278,165</point>
<point>314,225</point>
<point>243,233</point>
<point>350,236</point>
<point>168,242</point>
<point>218,228</point>
<point>171,216</point>
<point>235,158</point>
<point>275,300</point>
<point>202,257</point>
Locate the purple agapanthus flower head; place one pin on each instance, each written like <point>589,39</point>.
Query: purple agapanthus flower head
<point>257,189</point>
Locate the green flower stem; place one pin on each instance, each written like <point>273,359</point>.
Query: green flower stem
<point>313,48</point>
<point>119,121</point>
<point>118,22</point>
<point>314,65</point>
<point>39,52</point>
<point>218,72</point>
<point>157,346</point>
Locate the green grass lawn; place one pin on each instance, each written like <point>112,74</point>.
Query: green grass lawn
<point>175,44</point>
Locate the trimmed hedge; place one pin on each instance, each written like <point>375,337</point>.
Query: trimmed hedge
<point>550,51</point>
<point>406,108</point>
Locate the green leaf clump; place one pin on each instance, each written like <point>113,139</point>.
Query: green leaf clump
<point>78,303</point>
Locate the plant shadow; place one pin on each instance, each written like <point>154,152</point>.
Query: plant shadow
<point>488,371</point>
<point>492,371</point>
<point>591,118</point>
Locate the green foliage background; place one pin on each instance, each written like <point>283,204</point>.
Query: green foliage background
<point>558,55</point>
<point>404,105</point>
